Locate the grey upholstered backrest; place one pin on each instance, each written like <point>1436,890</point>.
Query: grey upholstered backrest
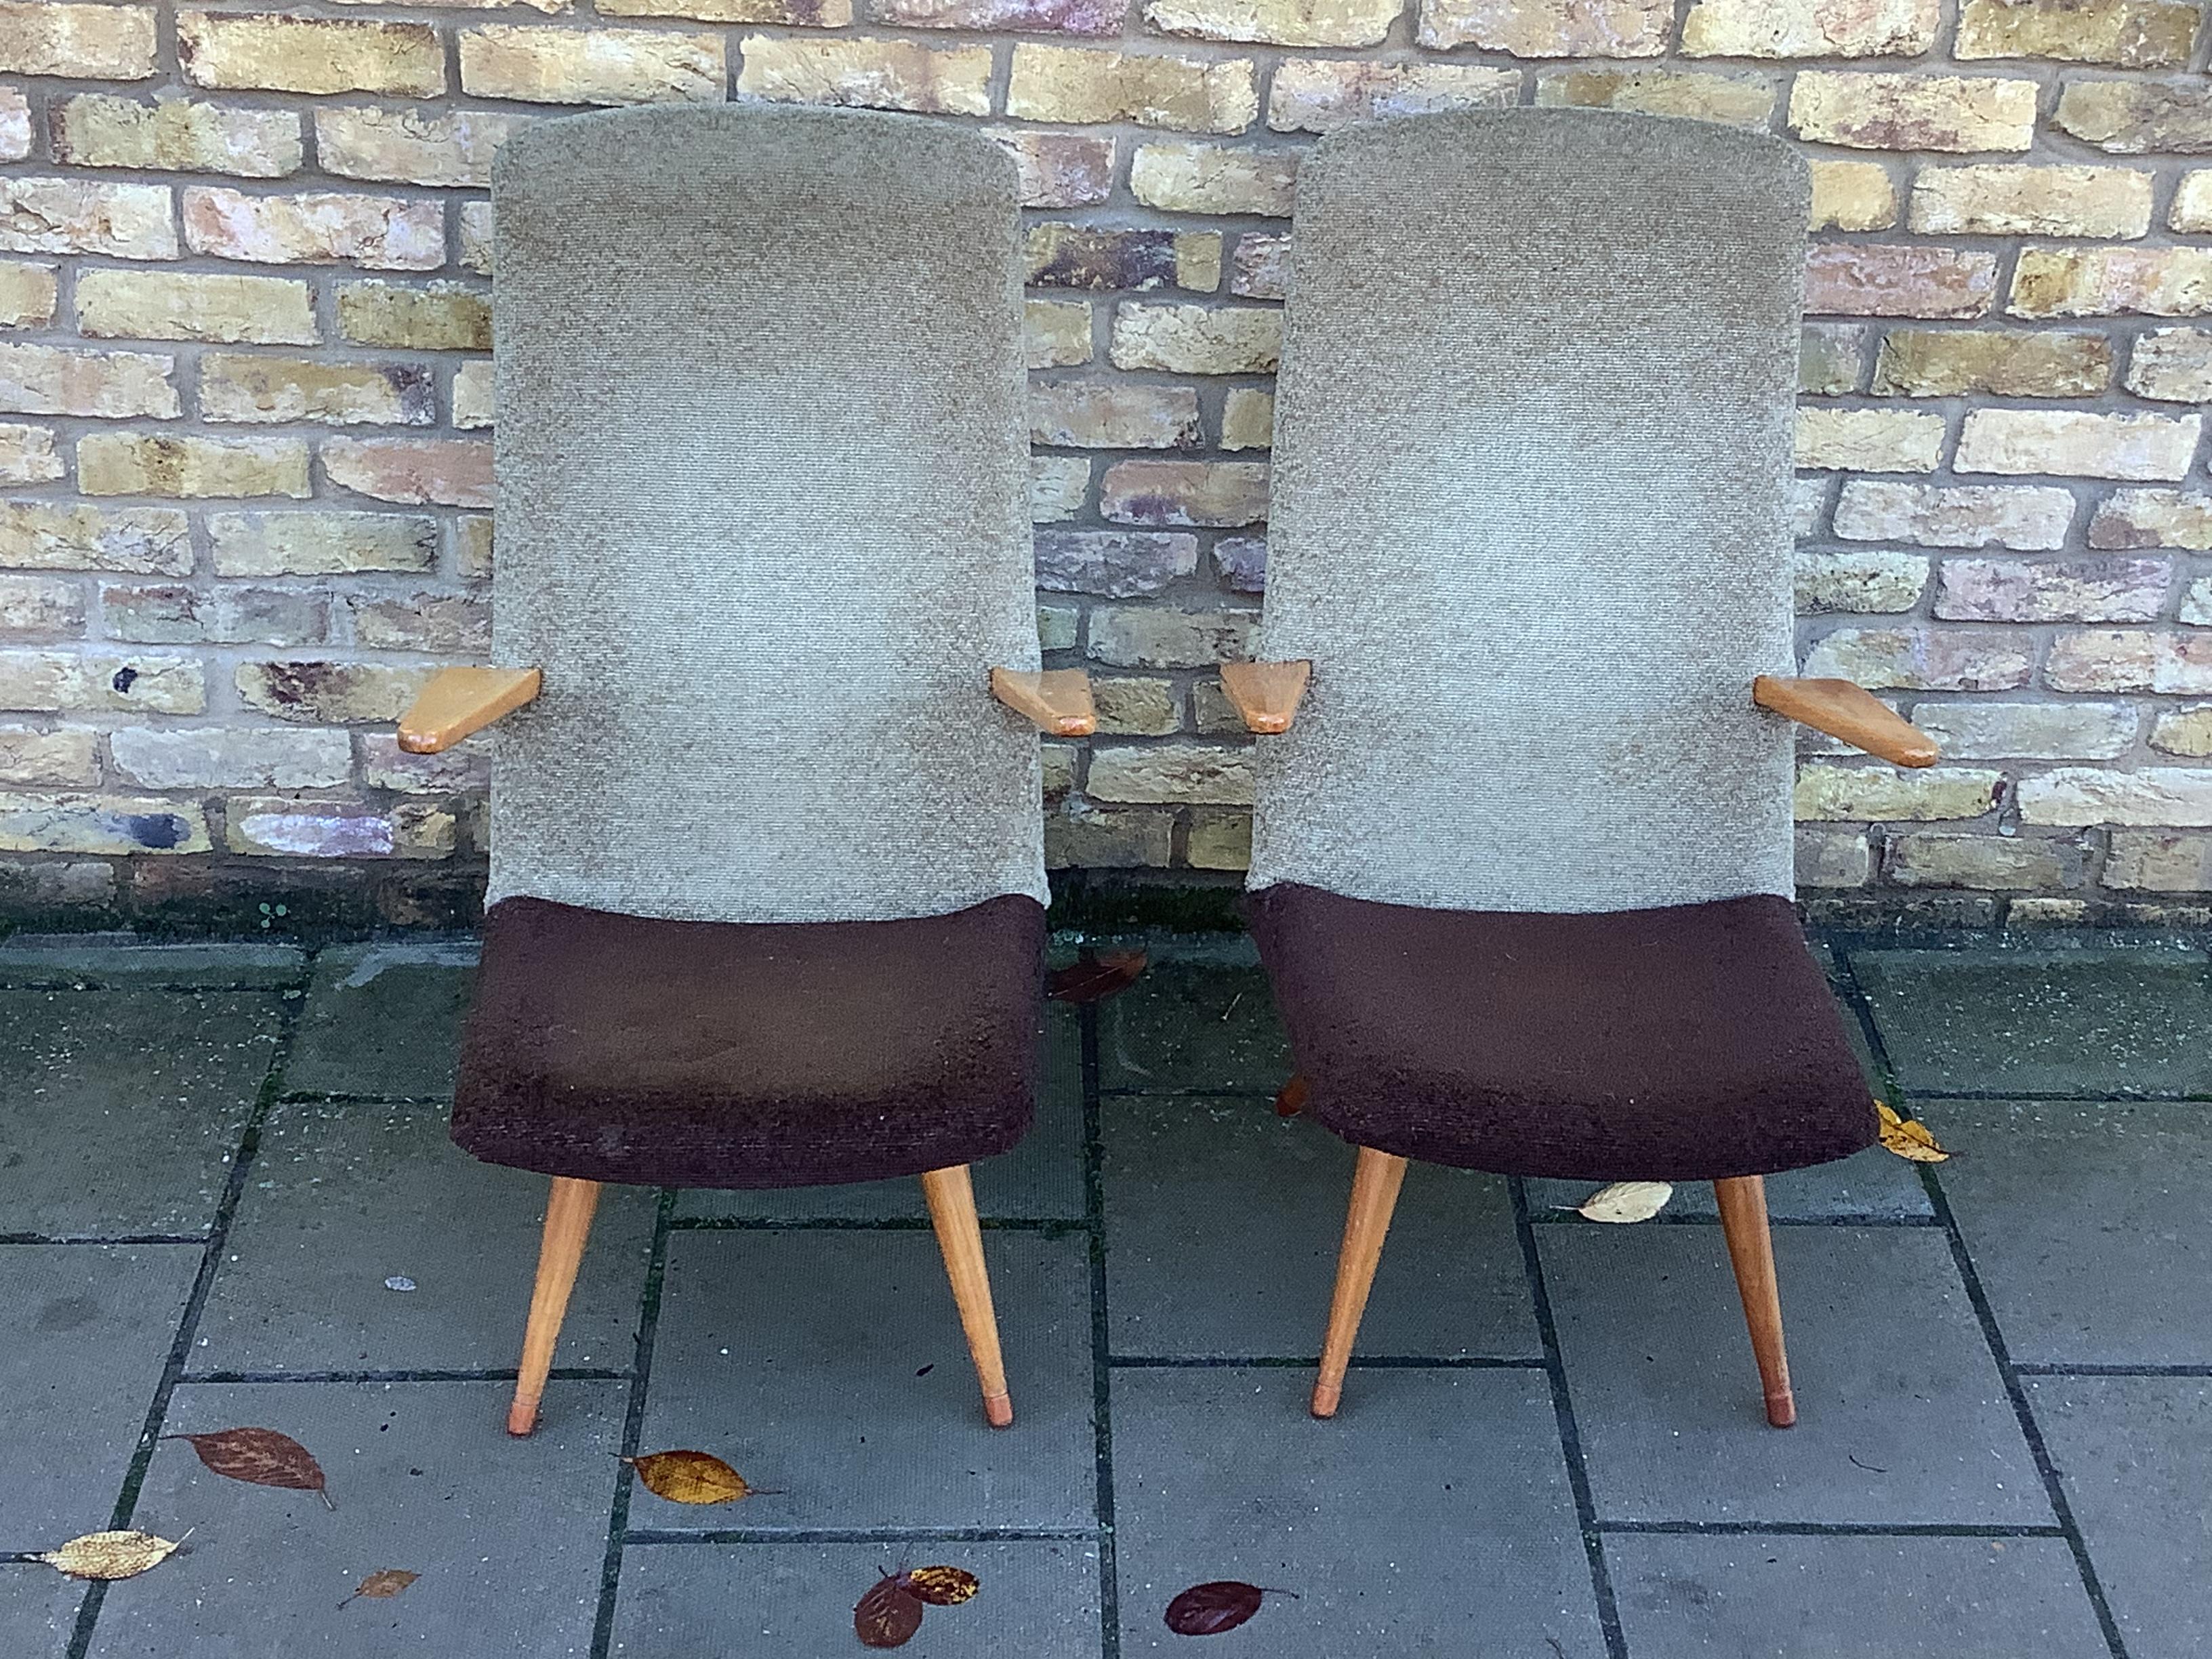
<point>1531,470</point>
<point>763,520</point>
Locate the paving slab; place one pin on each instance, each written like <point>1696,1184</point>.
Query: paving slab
<point>1689,1598</point>
<point>2089,1225</point>
<point>1041,1178</point>
<point>107,959</point>
<point>1223,1222</point>
<point>384,1020</point>
<point>2134,1455</point>
<point>367,1241</point>
<point>2083,1022</point>
<point>831,1365</point>
<point>509,1535</point>
<point>1194,1026</point>
<point>1902,1415</point>
<point>120,1111</point>
<point>85,1331</point>
<point>1039,1599</point>
<point>1432,1516</point>
<point>37,1613</point>
<point>1872,1186</point>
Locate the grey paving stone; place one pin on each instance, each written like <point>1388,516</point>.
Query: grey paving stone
<point>1683,1597</point>
<point>2042,1022</point>
<point>1039,1600</point>
<point>1875,1185</point>
<point>1432,1516</point>
<point>1042,1177</point>
<point>509,1535</point>
<point>1192,1026</point>
<point>831,1365</point>
<point>122,959</point>
<point>85,1331</point>
<point>344,1196</point>
<point>1223,1222</point>
<point>1902,1417</point>
<point>382,1020</point>
<point>2135,1457</point>
<point>2090,1226</point>
<point>119,1111</point>
<point>38,1612</point>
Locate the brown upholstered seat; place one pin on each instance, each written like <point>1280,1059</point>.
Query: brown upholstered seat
<point>1697,1041</point>
<point>699,1053</point>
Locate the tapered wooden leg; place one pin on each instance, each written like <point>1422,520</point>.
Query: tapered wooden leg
<point>952,1211</point>
<point>1375,1185</point>
<point>1742,1202</point>
<point>568,1224</point>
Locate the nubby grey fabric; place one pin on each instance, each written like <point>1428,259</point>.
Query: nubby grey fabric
<point>763,459</point>
<point>1530,517</point>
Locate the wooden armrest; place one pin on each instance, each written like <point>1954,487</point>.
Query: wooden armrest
<point>1058,700</point>
<point>460,700</point>
<point>1267,693</point>
<point>1849,712</point>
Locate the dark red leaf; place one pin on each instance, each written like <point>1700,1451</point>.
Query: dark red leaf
<point>1095,977</point>
<point>261,1457</point>
<point>888,1615</point>
<point>1291,1098</point>
<point>1210,1609</point>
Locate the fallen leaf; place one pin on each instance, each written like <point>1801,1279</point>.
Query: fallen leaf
<point>1095,977</point>
<point>1626,1201</point>
<point>1210,1609</point>
<point>261,1457</point>
<point>888,1615</point>
<point>689,1477</point>
<point>941,1587</point>
<point>110,1554</point>
<point>1908,1136</point>
<point>1291,1098</point>
<point>383,1586</point>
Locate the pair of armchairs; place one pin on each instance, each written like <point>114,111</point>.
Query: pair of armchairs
<point>767,899</point>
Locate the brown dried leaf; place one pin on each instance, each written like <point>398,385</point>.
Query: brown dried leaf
<point>888,1615</point>
<point>1908,1136</point>
<point>109,1554</point>
<point>1095,977</point>
<point>689,1477</point>
<point>1291,1098</point>
<point>1210,1609</point>
<point>1626,1202</point>
<point>261,1457</point>
<point>941,1587</point>
<point>383,1586</point>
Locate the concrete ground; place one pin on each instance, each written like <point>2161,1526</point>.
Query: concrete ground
<point>227,1198</point>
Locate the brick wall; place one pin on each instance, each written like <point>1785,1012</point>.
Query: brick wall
<point>245,297</point>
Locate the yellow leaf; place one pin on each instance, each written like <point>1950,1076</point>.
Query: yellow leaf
<point>110,1554</point>
<point>382,1586</point>
<point>689,1477</point>
<point>1908,1136</point>
<point>941,1587</point>
<point>1626,1201</point>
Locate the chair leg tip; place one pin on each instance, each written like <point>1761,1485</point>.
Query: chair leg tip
<point>521,1419</point>
<point>1327,1397</point>
<point>999,1411</point>
<point>1782,1411</point>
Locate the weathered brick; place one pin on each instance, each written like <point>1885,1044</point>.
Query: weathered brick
<point>228,614</point>
<point>1059,169</point>
<point>1020,17</point>
<point>26,292</point>
<point>804,14</point>
<point>283,827</point>
<point>1113,415</point>
<point>474,397</point>
<point>144,464</point>
<point>47,380</point>
<point>79,215</point>
<point>473,548</point>
<point>26,454</point>
<point>1118,564</point>
<point>1999,200</point>
<point>476,237</point>
<point>1098,259</point>
<point>1549,28</point>
<point>2197,603</point>
<point>1877,582</point>
<point>320,543</point>
<point>1319,94</point>
<point>439,317</point>
<point>1169,773</point>
<point>175,134</point>
<point>178,305</point>
<point>1865,279</point>
<point>1057,626</point>
<point>1989,863</point>
<point>1925,659</point>
<point>1200,493</point>
<point>1869,440</point>
<point>452,472</point>
<point>1197,339</point>
<point>1277,22</point>
<point>2029,731</point>
<point>1261,267</point>
<point>1864,794</point>
<point>1912,112</point>
<point>48,607</point>
<point>1218,841</point>
<point>84,42</point>
<point>590,66</point>
<point>323,693</point>
<point>1927,362</point>
<point>1240,562</point>
<point>867,73</point>
<point>407,146</point>
<point>310,54</point>
<point>2051,589</point>
<point>2172,365</point>
<point>2145,861</point>
<point>269,390</point>
<point>2103,282</point>
<point>1211,713</point>
<point>100,823</point>
<point>1150,89</point>
<point>1215,179</point>
<point>1694,94</point>
<point>28,756</point>
<point>1853,196</point>
<point>15,124</point>
<point>1148,636</point>
<point>451,624</point>
<point>2028,518</point>
<point>2192,212</point>
<point>1056,333</point>
<point>1809,29</point>
<point>1248,419</point>
<point>1828,857</point>
<point>384,765</point>
<point>2138,118</point>
<point>1080,836</point>
<point>381,233</point>
<point>64,536</point>
<point>52,681</point>
<point>2129,33</point>
<point>230,757</point>
<point>2083,795</point>
<point>2154,518</point>
<point>2129,659</point>
<point>2184,732</point>
<point>1136,707</point>
<point>2074,443</point>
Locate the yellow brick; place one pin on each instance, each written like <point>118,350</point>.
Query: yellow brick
<point>310,54</point>
<point>1913,112</point>
<point>1809,29</point>
<point>140,464</point>
<point>111,824</point>
<point>1279,22</point>
<point>270,389</point>
<point>867,73</point>
<point>26,293</point>
<point>176,135</point>
<point>89,43</point>
<point>2028,201</point>
<point>590,66</point>
<point>77,216</point>
<point>442,316</point>
<point>37,379</point>
<point>176,305</point>
<point>1150,89</point>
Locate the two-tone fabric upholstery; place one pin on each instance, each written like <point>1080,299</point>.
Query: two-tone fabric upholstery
<point>1529,521</point>
<point>767,869</point>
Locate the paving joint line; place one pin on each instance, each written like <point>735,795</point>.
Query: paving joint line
<point>1101,1374</point>
<point>662,1535</point>
<point>461,1374</point>
<point>2089,1368</point>
<point>1826,1529</point>
<point>648,1328</point>
<point>92,1239</point>
<point>1380,1362</point>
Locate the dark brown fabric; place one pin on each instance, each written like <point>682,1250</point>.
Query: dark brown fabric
<point>1686,1043</point>
<point>701,1054</point>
